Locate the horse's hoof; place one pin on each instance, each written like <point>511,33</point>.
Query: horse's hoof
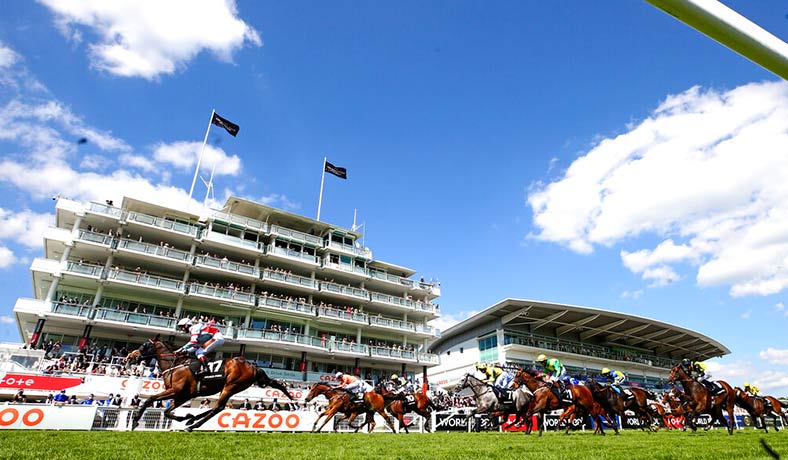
<point>188,429</point>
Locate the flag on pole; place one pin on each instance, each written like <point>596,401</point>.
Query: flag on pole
<point>228,125</point>
<point>336,170</point>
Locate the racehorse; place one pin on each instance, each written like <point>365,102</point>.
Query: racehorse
<point>615,403</point>
<point>181,385</point>
<point>674,416</point>
<point>487,402</point>
<point>339,402</point>
<point>700,401</point>
<point>545,400</point>
<point>758,410</point>
<point>421,405</point>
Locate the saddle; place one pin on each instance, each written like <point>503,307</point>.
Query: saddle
<point>215,369</point>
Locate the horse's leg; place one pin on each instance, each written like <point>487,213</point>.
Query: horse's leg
<point>328,414</point>
<point>219,405</point>
<point>169,393</point>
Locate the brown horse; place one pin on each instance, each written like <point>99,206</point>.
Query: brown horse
<point>339,402</point>
<point>545,401</point>
<point>758,409</point>
<point>181,385</point>
<point>616,404</point>
<point>700,401</point>
<point>397,407</point>
<point>674,415</point>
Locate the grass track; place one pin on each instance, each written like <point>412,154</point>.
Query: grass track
<point>74,445</point>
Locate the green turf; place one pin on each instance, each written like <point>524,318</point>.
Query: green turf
<point>629,445</point>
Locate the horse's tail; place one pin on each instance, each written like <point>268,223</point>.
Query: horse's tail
<point>262,379</point>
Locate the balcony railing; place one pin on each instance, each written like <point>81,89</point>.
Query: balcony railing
<point>142,279</point>
<point>85,269</point>
<point>104,209</point>
<point>392,323</point>
<point>425,328</point>
<point>167,224</point>
<point>336,313</point>
<point>234,240</point>
<point>285,305</point>
<point>142,319</point>
<point>391,278</point>
<point>425,306</point>
<point>292,253</point>
<point>240,220</point>
<point>344,290</point>
<point>71,309</point>
<point>282,337</point>
<point>156,250</point>
<point>359,251</point>
<point>350,268</point>
<point>296,236</point>
<point>222,264</point>
<point>392,353</point>
<point>392,300</point>
<point>289,278</point>
<point>428,358</point>
<point>349,347</point>
<point>98,238</point>
<point>221,293</point>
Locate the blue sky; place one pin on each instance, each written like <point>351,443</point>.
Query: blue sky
<point>593,153</point>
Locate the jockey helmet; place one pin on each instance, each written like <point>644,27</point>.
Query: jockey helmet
<point>338,374</point>
<point>605,371</point>
<point>541,358</point>
<point>394,376</point>
<point>686,362</point>
<point>480,366</point>
<point>746,384</point>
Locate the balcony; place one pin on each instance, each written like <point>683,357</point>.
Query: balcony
<point>240,220</point>
<point>350,249</point>
<point>335,313</point>
<point>71,309</point>
<point>98,208</point>
<point>345,347</point>
<point>391,300</point>
<point>141,319</point>
<point>385,352</point>
<point>226,265</point>
<point>349,291</point>
<point>235,241</point>
<point>347,268</point>
<point>81,268</point>
<point>292,254</point>
<point>296,236</point>
<point>96,238</point>
<point>282,338</point>
<point>392,323</point>
<point>285,305</point>
<point>289,278</point>
<point>233,295</point>
<point>426,306</point>
<point>394,279</point>
<point>154,250</point>
<point>158,222</point>
<point>428,358</point>
<point>141,279</point>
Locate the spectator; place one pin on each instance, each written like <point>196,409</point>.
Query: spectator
<point>275,406</point>
<point>205,404</point>
<point>73,399</point>
<point>89,401</point>
<point>116,401</point>
<point>60,399</point>
<point>19,397</point>
<point>246,405</point>
<point>50,399</point>
<point>135,402</point>
<point>260,405</point>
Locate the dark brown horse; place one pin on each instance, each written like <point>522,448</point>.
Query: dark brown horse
<point>397,407</point>
<point>758,409</point>
<point>339,402</point>
<point>616,403</point>
<point>181,385</point>
<point>674,413</point>
<point>701,401</point>
<point>545,400</point>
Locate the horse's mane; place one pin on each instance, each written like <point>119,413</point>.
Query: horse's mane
<point>532,372</point>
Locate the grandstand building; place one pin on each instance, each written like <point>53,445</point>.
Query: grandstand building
<point>301,297</point>
<point>515,332</point>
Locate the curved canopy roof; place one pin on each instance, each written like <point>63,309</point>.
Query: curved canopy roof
<point>594,326</point>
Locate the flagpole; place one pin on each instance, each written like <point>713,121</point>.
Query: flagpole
<point>209,185</point>
<point>322,181</point>
<point>202,150</point>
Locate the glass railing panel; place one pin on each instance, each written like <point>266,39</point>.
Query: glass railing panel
<point>292,254</point>
<point>147,280</point>
<point>244,221</point>
<point>163,223</point>
<point>99,238</point>
<point>428,358</point>
<point>296,235</point>
<point>84,269</point>
<point>71,309</point>
<point>104,209</point>
<point>289,278</point>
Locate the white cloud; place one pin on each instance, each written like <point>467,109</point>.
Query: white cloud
<point>779,306</point>
<point>278,200</point>
<point>775,356</point>
<point>138,161</point>
<point>7,320</point>
<point>746,315</point>
<point>147,38</point>
<point>24,227</point>
<point>705,172</point>
<point>7,257</point>
<point>184,155</point>
<point>632,294</point>
<point>770,381</point>
<point>8,57</point>
<point>448,320</point>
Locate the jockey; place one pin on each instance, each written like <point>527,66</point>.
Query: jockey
<point>697,371</point>
<point>753,391</point>
<point>554,371</point>
<point>401,386</point>
<point>616,378</point>
<point>352,384</point>
<point>204,339</point>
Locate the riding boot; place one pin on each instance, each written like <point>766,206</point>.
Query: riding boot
<point>204,365</point>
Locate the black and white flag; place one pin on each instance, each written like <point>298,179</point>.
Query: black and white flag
<point>228,125</point>
<point>336,170</point>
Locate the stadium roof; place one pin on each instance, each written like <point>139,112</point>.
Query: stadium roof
<point>605,327</point>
